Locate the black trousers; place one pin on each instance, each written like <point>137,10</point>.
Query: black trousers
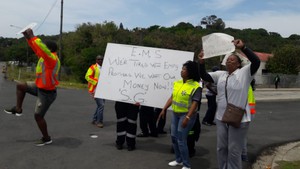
<point>211,109</point>
<point>148,120</point>
<point>194,136</point>
<point>126,123</point>
<point>161,122</point>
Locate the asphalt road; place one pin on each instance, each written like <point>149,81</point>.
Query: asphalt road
<point>69,125</point>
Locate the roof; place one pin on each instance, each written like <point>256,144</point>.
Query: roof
<point>264,57</point>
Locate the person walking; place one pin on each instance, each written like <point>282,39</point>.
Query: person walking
<point>276,81</point>
<point>45,83</point>
<point>235,81</point>
<point>127,114</point>
<point>184,100</point>
<point>92,76</point>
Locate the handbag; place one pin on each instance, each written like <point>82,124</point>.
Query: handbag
<point>233,115</point>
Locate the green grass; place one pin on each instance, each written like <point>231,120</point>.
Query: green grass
<point>24,74</point>
<point>288,165</point>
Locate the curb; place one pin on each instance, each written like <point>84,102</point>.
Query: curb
<point>270,157</point>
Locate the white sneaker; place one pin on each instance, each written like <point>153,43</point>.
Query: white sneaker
<point>174,163</point>
<point>185,168</point>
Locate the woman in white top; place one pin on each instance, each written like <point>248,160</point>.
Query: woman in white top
<point>229,138</point>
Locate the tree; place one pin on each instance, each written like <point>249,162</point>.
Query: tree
<point>286,60</point>
<point>213,22</point>
<point>121,26</point>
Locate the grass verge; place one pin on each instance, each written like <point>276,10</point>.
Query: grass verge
<point>288,165</point>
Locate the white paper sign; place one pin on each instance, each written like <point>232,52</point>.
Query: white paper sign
<point>31,26</point>
<point>217,44</point>
<point>136,74</point>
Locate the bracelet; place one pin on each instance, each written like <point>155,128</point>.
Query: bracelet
<point>187,117</point>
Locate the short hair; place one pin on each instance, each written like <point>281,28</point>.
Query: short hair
<point>192,68</point>
<point>238,59</point>
<point>99,57</point>
<point>52,46</point>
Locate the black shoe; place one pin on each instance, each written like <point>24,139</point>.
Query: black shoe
<point>162,132</point>
<point>43,141</point>
<point>192,153</point>
<point>206,123</point>
<point>13,111</point>
<point>213,123</point>
<point>142,135</point>
<point>119,147</point>
<point>153,134</point>
<point>131,148</point>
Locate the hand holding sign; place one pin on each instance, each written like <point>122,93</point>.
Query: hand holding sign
<point>217,44</point>
<point>31,26</point>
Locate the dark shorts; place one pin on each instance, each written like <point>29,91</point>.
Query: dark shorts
<point>44,98</point>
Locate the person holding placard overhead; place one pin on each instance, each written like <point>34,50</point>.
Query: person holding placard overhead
<point>232,87</point>
<point>184,100</point>
<point>44,86</point>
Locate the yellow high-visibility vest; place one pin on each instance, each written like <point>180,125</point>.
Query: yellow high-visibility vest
<point>92,76</point>
<point>182,95</point>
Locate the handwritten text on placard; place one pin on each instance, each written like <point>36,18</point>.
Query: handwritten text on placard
<point>140,74</point>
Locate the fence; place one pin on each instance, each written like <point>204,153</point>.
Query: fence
<point>286,81</point>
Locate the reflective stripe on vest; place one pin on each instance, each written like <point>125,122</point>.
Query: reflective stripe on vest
<point>182,95</point>
<point>251,100</point>
<point>191,132</point>
<point>47,67</point>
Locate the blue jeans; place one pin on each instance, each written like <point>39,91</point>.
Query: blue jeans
<point>98,115</point>
<point>179,137</point>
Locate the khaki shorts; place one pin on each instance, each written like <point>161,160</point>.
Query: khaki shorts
<point>44,98</point>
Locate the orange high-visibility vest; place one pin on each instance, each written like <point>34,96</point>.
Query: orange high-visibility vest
<point>92,76</point>
<point>251,100</point>
<point>47,67</point>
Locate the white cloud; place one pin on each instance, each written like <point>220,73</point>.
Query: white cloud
<point>222,4</point>
<point>282,23</point>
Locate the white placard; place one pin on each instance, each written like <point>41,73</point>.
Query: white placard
<point>136,74</point>
<point>217,44</point>
<point>31,26</point>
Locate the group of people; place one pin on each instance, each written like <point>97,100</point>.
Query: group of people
<point>230,85</point>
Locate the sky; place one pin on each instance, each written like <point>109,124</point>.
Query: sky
<point>280,16</point>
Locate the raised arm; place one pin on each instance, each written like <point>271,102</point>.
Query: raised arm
<point>203,74</point>
<point>255,62</point>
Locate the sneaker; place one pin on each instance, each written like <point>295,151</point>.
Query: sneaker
<point>185,168</point>
<point>43,142</point>
<point>174,163</point>
<point>100,125</point>
<point>13,110</point>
